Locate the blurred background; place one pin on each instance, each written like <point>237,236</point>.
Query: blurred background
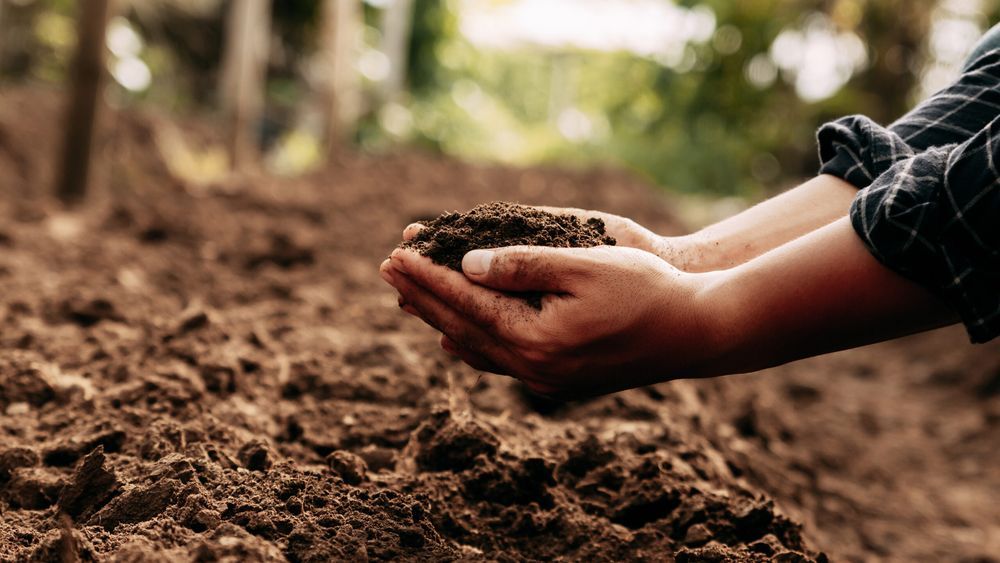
<point>714,99</point>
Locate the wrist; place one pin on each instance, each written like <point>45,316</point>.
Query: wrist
<point>703,252</point>
<point>695,336</point>
<point>685,252</point>
<point>723,310</point>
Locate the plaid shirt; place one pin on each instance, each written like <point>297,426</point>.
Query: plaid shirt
<point>929,199</point>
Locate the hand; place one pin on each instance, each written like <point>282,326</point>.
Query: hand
<point>677,251</point>
<point>612,317</point>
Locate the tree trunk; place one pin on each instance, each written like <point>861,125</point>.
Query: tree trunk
<point>340,43</point>
<point>244,72</point>
<point>397,22</point>
<point>85,89</point>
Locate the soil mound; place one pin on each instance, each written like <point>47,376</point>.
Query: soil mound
<point>446,239</point>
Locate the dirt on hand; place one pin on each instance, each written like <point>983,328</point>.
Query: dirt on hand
<point>446,239</point>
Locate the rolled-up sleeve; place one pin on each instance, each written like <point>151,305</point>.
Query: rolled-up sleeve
<point>957,112</point>
<point>933,217</point>
<point>858,150</point>
<point>928,205</point>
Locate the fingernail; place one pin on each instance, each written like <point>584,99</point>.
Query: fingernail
<point>397,260</point>
<point>477,262</point>
<point>385,275</point>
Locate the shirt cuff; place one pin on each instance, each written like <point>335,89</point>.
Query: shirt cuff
<point>858,150</point>
<point>908,222</point>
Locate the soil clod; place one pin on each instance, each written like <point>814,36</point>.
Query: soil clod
<point>137,504</point>
<point>256,456</point>
<point>33,488</point>
<point>445,443</point>
<point>351,468</point>
<point>15,457</point>
<point>90,487</point>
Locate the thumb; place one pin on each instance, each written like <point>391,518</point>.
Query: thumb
<point>530,268</point>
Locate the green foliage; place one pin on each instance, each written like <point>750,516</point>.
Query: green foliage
<point>703,128</point>
<point>433,24</point>
<point>697,125</point>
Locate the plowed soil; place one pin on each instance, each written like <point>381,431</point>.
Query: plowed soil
<point>217,373</point>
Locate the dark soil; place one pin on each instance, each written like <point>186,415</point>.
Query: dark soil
<point>446,239</point>
<point>216,373</point>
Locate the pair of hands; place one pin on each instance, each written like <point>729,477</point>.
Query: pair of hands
<point>786,279</point>
<point>612,317</point>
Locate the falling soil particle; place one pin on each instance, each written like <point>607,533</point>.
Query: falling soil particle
<point>447,239</point>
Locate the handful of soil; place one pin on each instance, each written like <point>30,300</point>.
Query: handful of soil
<point>446,239</point>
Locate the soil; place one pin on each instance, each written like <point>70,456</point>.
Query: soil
<point>446,239</point>
<point>217,373</point>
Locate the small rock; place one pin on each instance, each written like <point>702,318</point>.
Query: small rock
<point>351,468</point>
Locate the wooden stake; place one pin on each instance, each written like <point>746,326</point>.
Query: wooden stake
<point>397,23</point>
<point>244,73</point>
<point>85,89</point>
<point>339,43</point>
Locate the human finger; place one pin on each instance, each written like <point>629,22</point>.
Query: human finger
<point>495,312</point>
<point>411,230</point>
<point>465,334</point>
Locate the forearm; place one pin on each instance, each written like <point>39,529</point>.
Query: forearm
<point>820,293</point>
<point>770,224</point>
